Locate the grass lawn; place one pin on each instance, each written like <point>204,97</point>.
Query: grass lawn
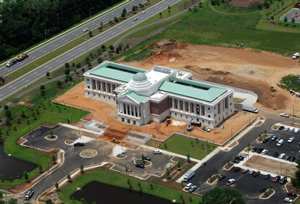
<point>183,145</point>
<point>290,82</point>
<point>118,179</point>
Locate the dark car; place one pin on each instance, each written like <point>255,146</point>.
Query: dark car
<point>236,169</point>
<point>147,158</point>
<point>281,127</point>
<point>267,176</point>
<point>265,140</point>
<point>254,149</point>
<point>256,173</point>
<point>274,137</point>
<point>236,161</point>
<point>140,165</point>
<point>260,150</point>
<point>283,180</point>
<point>275,154</point>
<point>262,190</point>
<point>78,144</point>
<point>292,158</point>
<point>221,177</point>
<point>28,194</point>
<point>276,179</point>
<point>291,193</point>
<point>192,188</point>
<point>287,157</point>
<point>203,164</point>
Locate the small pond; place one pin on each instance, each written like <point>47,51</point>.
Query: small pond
<point>107,194</point>
<point>10,167</point>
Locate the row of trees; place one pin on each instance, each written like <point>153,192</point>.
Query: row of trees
<point>27,22</point>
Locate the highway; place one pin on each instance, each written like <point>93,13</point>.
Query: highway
<point>96,41</point>
<point>68,37</point>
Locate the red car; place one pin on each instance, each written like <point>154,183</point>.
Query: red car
<point>291,193</point>
<point>276,179</point>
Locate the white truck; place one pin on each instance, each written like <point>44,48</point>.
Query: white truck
<point>296,55</point>
<point>250,108</point>
<point>188,175</point>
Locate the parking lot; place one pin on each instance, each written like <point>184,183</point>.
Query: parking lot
<point>248,185</point>
<point>290,149</point>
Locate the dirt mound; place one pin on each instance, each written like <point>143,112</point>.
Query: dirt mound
<point>163,56</point>
<point>166,45</point>
<point>245,3</point>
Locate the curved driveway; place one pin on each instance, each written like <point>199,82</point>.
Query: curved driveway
<point>40,72</point>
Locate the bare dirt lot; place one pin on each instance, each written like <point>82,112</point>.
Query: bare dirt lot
<point>245,3</point>
<point>269,165</point>
<point>106,112</point>
<point>243,68</point>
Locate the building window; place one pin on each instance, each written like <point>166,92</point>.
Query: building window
<point>230,104</point>
<point>88,87</point>
<point>103,96</point>
<point>94,94</point>
<point>134,122</point>
<point>128,120</point>
<point>175,114</point>
<point>122,119</point>
<point>208,108</point>
<point>88,93</point>
<point>180,115</point>
<point>186,117</point>
<point>99,95</point>
<point>230,96</point>
<point>197,119</point>
<point>215,115</point>
<point>209,123</point>
<point>88,79</point>
<point>208,116</point>
<point>215,107</point>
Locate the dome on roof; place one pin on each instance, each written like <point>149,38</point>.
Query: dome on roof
<point>140,77</point>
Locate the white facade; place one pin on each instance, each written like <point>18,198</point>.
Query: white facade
<point>153,95</point>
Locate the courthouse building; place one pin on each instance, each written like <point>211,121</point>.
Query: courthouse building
<point>142,96</point>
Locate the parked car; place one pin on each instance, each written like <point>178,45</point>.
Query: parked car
<point>284,115</point>
<point>286,129</point>
<point>291,139</point>
<point>267,176</point>
<point>262,190</point>
<point>21,57</point>
<point>275,154</point>
<point>265,140</point>
<point>291,130</point>
<point>291,193</point>
<point>236,161</point>
<point>296,131</point>
<point>203,164</point>
<point>281,127</point>
<point>276,179</point>
<point>280,143</point>
<point>78,144</point>
<point>140,165</point>
<point>260,150</point>
<point>157,151</point>
<point>274,137</point>
<point>292,158</point>
<point>187,187</point>
<point>206,129</point>
<point>28,194</point>
<point>265,151</point>
<point>85,30</point>
<point>192,188</point>
<point>237,169</point>
<point>11,63</point>
<point>221,177</point>
<point>283,180</point>
<point>245,171</point>
<point>256,173</point>
<point>287,157</point>
<point>254,149</point>
<point>281,156</point>
<point>147,158</point>
<point>288,200</point>
<point>230,182</point>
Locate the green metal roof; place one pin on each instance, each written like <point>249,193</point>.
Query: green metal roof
<point>206,95</point>
<point>121,73</point>
<point>138,98</point>
<point>113,74</point>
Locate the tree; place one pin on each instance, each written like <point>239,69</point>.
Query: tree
<point>67,72</point>
<point>293,20</point>
<point>67,65</point>
<point>99,60</point>
<point>111,48</point>
<point>117,50</point>
<point>6,107</point>
<point>8,115</point>
<point>69,178</point>
<point>1,195</point>
<point>169,10</point>
<point>296,180</point>
<point>82,70</point>
<point>160,14</point>
<point>40,168</point>
<point>53,158</point>
<point>48,74</point>
<point>188,158</point>
<point>59,84</point>
<point>123,13</point>
<point>168,173</point>
<point>57,186</point>
<point>78,65</point>
<point>103,47</point>
<point>285,19</point>
<point>43,91</point>
<point>26,175</point>
<point>81,168</point>
<point>226,196</point>
<point>134,8</point>
<point>49,201</point>
<point>51,133</point>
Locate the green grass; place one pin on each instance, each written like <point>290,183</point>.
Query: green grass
<point>183,145</point>
<point>290,82</point>
<point>118,179</point>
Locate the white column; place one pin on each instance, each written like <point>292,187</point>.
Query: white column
<point>111,88</point>
<point>178,104</point>
<point>106,86</point>
<point>97,85</point>
<point>183,106</point>
<point>129,109</point>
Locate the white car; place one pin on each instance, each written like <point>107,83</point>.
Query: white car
<point>135,19</point>
<point>288,200</point>
<point>296,55</point>
<point>280,142</point>
<point>230,182</point>
<point>291,130</point>
<point>187,187</point>
<point>284,115</point>
<point>281,156</point>
<point>291,139</point>
<point>286,129</point>
<point>85,30</point>
<point>265,151</point>
<point>296,131</point>
<point>157,151</point>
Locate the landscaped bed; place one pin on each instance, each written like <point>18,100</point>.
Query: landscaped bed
<point>195,148</point>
